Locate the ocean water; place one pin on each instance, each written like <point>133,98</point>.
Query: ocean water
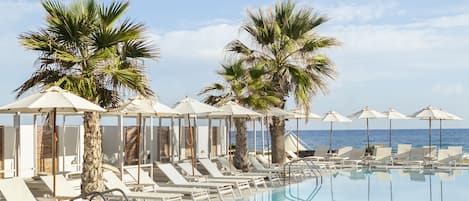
<point>357,138</point>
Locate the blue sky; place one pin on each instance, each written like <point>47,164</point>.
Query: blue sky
<point>400,54</point>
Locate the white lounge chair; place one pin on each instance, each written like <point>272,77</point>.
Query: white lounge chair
<point>111,181</point>
<point>151,186</point>
<point>15,189</point>
<point>382,157</point>
<point>416,159</point>
<point>320,153</point>
<point>355,157</point>
<point>178,180</point>
<point>63,188</point>
<point>456,154</point>
<point>215,172</point>
<point>239,183</point>
<point>403,152</point>
<point>231,169</point>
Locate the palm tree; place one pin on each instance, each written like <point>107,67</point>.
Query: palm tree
<point>247,87</point>
<point>85,48</point>
<point>287,44</point>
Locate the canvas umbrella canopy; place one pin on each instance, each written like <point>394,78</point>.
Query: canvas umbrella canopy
<point>430,113</point>
<point>299,113</point>
<point>449,116</point>
<point>367,113</point>
<point>234,110</point>
<point>54,99</point>
<point>393,114</point>
<point>189,106</point>
<point>333,116</point>
<point>141,106</point>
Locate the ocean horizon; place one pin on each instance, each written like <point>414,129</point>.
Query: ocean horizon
<point>357,137</point>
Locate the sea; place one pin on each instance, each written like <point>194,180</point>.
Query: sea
<point>357,138</point>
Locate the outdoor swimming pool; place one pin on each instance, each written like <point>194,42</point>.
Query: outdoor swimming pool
<point>383,185</point>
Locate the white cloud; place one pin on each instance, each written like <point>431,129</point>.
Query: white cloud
<point>353,12</point>
<point>448,89</point>
<point>450,21</point>
<point>205,43</point>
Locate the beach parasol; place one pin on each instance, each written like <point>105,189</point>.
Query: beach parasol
<point>140,106</point>
<point>301,114</point>
<point>367,113</point>
<point>234,110</point>
<point>189,106</point>
<point>430,113</point>
<point>449,116</point>
<point>393,114</point>
<point>333,116</point>
<point>54,99</point>
<point>273,112</point>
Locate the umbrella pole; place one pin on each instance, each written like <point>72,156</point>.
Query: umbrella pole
<point>367,133</point>
<point>330,139</point>
<point>54,151</point>
<point>390,132</point>
<point>429,136</point>
<point>139,124</point>
<point>440,133</point>
<point>297,138</point>
<point>191,144</point>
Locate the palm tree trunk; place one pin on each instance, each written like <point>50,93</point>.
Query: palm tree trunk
<point>277,130</point>
<point>241,159</point>
<point>92,176</point>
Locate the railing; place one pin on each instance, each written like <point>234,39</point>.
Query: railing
<point>302,163</point>
<point>92,195</point>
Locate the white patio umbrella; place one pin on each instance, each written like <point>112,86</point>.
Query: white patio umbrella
<point>393,114</point>
<point>141,106</point>
<point>430,113</point>
<point>54,99</point>
<point>299,113</point>
<point>367,113</point>
<point>333,116</point>
<point>449,117</point>
<point>233,110</point>
<point>189,106</point>
<point>269,113</point>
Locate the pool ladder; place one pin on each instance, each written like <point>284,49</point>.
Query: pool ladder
<point>306,166</point>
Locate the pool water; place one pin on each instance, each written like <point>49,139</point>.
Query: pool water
<point>382,185</point>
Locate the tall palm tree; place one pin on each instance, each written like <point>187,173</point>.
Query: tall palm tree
<point>86,49</point>
<point>287,44</point>
<point>247,87</point>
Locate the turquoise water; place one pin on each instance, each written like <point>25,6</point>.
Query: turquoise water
<point>385,185</point>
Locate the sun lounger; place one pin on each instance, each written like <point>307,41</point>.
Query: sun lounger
<point>271,177</point>
<point>111,181</point>
<point>382,157</point>
<point>342,154</point>
<point>15,189</point>
<point>265,161</point>
<point>239,183</point>
<point>320,153</point>
<point>148,185</point>
<point>258,167</point>
<point>403,152</point>
<point>178,180</point>
<point>355,158</point>
<point>63,187</point>
<point>456,154</point>
<point>416,159</point>
<point>215,172</point>
<point>443,159</point>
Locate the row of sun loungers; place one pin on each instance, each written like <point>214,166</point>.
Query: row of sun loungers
<point>406,156</point>
<point>181,183</point>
